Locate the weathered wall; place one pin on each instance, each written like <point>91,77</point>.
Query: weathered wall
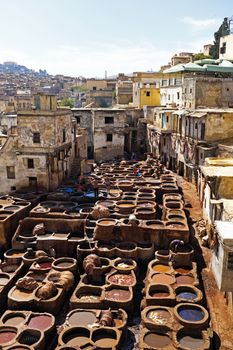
<point>219,126</point>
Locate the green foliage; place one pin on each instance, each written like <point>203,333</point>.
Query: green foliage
<point>67,102</point>
<point>223,30</point>
<point>201,56</point>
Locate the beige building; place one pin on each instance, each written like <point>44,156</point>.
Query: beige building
<point>226,47</point>
<point>42,153</point>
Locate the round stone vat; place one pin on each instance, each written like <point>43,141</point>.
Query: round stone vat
<point>191,315</point>
<point>158,317</point>
<point>162,255</point>
<point>188,294</point>
<point>13,256</point>
<point>159,267</point>
<point>14,319</point>
<point>122,278</point>
<point>189,339</point>
<point>81,317</point>
<point>12,207</point>
<point>105,338</point>
<point>182,279</point>
<point>31,337</point>
<point>4,279</point>
<point>7,335</point>
<point>125,206</point>
<point>124,264</point>
<point>162,278</point>
<point>156,340</point>
<point>43,322</point>
<point>75,336</point>
<point>65,264</point>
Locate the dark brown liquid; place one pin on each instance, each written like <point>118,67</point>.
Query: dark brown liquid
<point>159,294</point>
<point>84,318</point>
<point>182,270</point>
<point>157,340</point>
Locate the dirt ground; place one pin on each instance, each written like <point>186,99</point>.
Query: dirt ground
<point>221,317</point>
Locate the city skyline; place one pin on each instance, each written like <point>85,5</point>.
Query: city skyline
<point>76,38</point>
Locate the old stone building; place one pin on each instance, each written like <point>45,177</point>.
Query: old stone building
<point>112,132</point>
<point>184,138</point>
<point>42,153</point>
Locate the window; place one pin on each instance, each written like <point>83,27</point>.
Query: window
<point>169,97</point>
<point>164,142</point>
<point>148,93</point>
<point>36,137</point>
<point>30,163</point>
<point>230,261</point>
<point>10,172</point>
<point>94,88</point>
<point>185,90</point>
<point>228,89</point>
<point>64,135</point>
<point>78,119</point>
<point>109,120</point>
<point>195,125</point>
<point>178,95</point>
<point>190,90</point>
<point>201,155</point>
<point>167,118</point>
<point>109,137</point>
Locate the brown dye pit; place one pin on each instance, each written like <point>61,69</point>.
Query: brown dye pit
<point>83,318</point>
<point>191,343</point>
<point>78,341</point>
<point>106,222</point>
<point>183,270</point>
<point>118,294</point>
<point>163,278</point>
<point>3,280</point>
<point>185,280</point>
<point>159,316</point>
<point>105,342</point>
<point>18,294</point>
<point>122,279</point>
<point>157,340</point>
<point>64,264</point>
<point>40,322</point>
<point>6,337</point>
<point>161,268</point>
<point>15,320</point>
<point>159,294</point>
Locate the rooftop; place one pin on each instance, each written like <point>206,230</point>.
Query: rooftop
<point>217,171</point>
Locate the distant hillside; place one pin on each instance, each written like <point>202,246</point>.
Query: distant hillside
<point>13,67</point>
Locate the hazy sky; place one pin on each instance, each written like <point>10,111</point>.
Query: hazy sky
<point>87,37</point>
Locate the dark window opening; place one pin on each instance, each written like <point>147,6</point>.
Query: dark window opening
<point>178,95</point>
<point>195,125</point>
<point>10,172</point>
<point>109,120</point>
<point>167,118</point>
<point>30,163</point>
<point>94,88</point>
<point>36,137</point>
<point>64,135</point>
<point>78,119</point>
<point>148,93</point>
<point>109,137</point>
<point>191,90</point>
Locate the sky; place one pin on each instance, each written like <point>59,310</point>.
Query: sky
<point>89,37</point>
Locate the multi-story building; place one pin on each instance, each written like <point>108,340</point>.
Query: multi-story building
<point>41,154</point>
<point>146,89</point>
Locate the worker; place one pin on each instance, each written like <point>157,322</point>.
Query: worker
<point>95,186</point>
<point>176,244</point>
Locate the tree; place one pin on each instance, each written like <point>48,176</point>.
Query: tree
<point>223,30</point>
<point>67,102</point>
<point>201,56</point>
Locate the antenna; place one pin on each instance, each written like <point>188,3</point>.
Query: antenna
<point>231,24</point>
